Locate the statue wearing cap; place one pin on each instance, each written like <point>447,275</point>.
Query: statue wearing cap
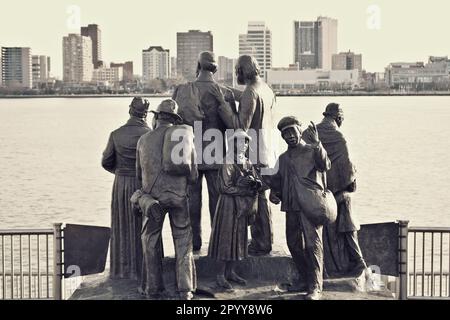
<point>236,209</point>
<point>119,158</point>
<point>300,162</point>
<point>170,191</point>
<point>343,255</point>
<point>206,90</point>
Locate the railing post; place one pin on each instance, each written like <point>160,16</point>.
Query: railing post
<point>57,261</point>
<point>403,259</point>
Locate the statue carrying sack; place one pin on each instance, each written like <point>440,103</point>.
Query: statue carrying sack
<point>317,202</point>
<point>179,151</point>
<point>188,100</point>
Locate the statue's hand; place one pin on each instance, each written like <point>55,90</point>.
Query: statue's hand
<point>229,95</point>
<point>352,187</point>
<point>217,93</point>
<point>273,198</point>
<point>311,135</point>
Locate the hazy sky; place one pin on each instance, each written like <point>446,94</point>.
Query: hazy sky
<point>409,30</point>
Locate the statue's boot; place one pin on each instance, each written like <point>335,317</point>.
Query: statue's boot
<point>186,296</point>
<point>316,294</point>
<point>223,283</point>
<point>232,276</point>
<point>297,286</point>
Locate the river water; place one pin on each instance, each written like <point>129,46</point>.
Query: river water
<point>50,151</point>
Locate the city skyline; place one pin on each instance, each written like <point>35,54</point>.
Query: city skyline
<point>124,41</point>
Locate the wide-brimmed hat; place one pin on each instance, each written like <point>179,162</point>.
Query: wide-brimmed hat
<point>333,110</point>
<point>140,105</point>
<point>169,107</point>
<point>288,122</point>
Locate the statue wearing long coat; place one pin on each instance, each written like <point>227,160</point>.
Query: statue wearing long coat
<point>119,158</point>
<point>341,248</point>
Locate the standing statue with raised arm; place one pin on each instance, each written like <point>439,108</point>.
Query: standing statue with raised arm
<point>300,167</point>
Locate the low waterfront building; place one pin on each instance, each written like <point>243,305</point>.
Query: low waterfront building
<point>127,68</point>
<point>107,76</point>
<point>418,76</point>
<point>347,61</point>
<point>292,80</point>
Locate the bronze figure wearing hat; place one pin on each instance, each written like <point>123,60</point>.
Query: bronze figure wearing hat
<point>119,158</point>
<point>343,255</point>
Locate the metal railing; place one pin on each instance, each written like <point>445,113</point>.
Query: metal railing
<point>31,264</point>
<point>429,263</point>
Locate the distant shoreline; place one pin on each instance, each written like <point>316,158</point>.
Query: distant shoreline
<point>321,94</point>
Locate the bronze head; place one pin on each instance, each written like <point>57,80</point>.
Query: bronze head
<point>247,69</point>
<point>168,111</point>
<point>139,107</point>
<point>334,111</point>
<point>207,62</point>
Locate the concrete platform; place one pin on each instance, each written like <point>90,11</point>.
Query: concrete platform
<point>267,277</point>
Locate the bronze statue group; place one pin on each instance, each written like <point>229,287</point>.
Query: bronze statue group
<point>321,233</point>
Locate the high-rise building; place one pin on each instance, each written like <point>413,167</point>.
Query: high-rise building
<point>189,46</point>
<point>257,42</point>
<point>327,44</point>
<point>305,44</point>
<point>155,64</point>
<point>41,70</point>
<point>347,61</point>
<point>16,67</point>
<point>173,67</point>
<point>77,59</point>
<point>93,31</point>
<point>225,71</point>
<point>315,42</point>
<point>127,67</point>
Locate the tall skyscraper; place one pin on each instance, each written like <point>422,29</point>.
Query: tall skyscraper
<point>347,61</point>
<point>305,44</point>
<point>41,70</point>
<point>77,59</point>
<point>189,46</point>
<point>315,42</point>
<point>155,64</point>
<point>327,28</point>
<point>128,75</point>
<point>173,67</point>
<point>16,67</point>
<point>257,42</point>
<point>93,31</point>
<point>225,73</point>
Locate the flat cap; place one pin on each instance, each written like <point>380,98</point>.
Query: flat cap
<point>288,122</point>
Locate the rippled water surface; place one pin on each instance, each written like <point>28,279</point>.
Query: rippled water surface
<point>50,152</point>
